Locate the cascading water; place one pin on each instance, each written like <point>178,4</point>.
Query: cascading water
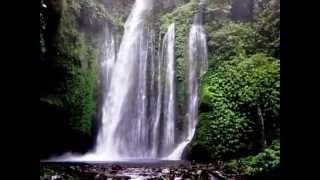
<point>108,60</point>
<point>124,133</point>
<point>197,64</point>
<point>138,110</point>
<point>125,124</point>
<point>168,58</point>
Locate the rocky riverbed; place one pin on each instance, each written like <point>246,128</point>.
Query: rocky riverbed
<point>118,171</point>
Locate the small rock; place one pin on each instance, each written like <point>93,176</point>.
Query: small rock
<point>165,171</point>
<point>89,175</point>
<point>113,172</point>
<point>55,177</point>
<point>116,167</point>
<point>97,176</point>
<point>121,178</point>
<point>187,177</point>
<point>204,175</point>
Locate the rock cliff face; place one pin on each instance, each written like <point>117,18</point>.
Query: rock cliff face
<point>242,10</point>
<point>120,8</point>
<point>70,33</point>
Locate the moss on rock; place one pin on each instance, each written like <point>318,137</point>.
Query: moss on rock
<point>71,37</point>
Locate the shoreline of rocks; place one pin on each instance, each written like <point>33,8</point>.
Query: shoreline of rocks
<point>117,172</point>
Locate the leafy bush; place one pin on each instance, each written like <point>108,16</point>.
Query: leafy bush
<point>227,123</point>
<point>265,162</point>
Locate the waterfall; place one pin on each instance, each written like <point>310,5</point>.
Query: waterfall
<point>138,92</point>
<point>197,63</point>
<point>124,133</point>
<point>196,66</point>
<point>168,58</point>
<point>107,61</point>
<point>126,121</point>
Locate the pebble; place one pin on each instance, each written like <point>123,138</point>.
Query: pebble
<point>55,177</point>
<point>165,171</point>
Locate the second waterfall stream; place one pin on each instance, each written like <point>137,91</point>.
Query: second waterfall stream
<point>139,114</point>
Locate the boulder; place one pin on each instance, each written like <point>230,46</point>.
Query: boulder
<point>116,167</point>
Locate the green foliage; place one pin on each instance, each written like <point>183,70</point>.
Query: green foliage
<point>267,26</point>
<point>75,62</point>
<point>80,98</point>
<point>69,34</point>
<point>228,40</point>
<point>226,123</point>
<point>222,134</point>
<point>93,13</point>
<point>255,79</point>
<point>52,100</point>
<point>264,162</point>
<point>61,172</point>
<point>243,73</point>
<point>46,173</point>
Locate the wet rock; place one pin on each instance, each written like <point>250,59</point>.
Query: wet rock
<point>113,171</point>
<point>89,175</point>
<point>211,168</point>
<point>187,176</point>
<point>143,174</point>
<point>177,173</point>
<point>116,167</point>
<point>204,174</point>
<point>101,177</point>
<point>165,171</point>
<point>218,175</point>
<point>242,10</point>
<point>199,172</point>
<point>181,166</point>
<point>121,178</point>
